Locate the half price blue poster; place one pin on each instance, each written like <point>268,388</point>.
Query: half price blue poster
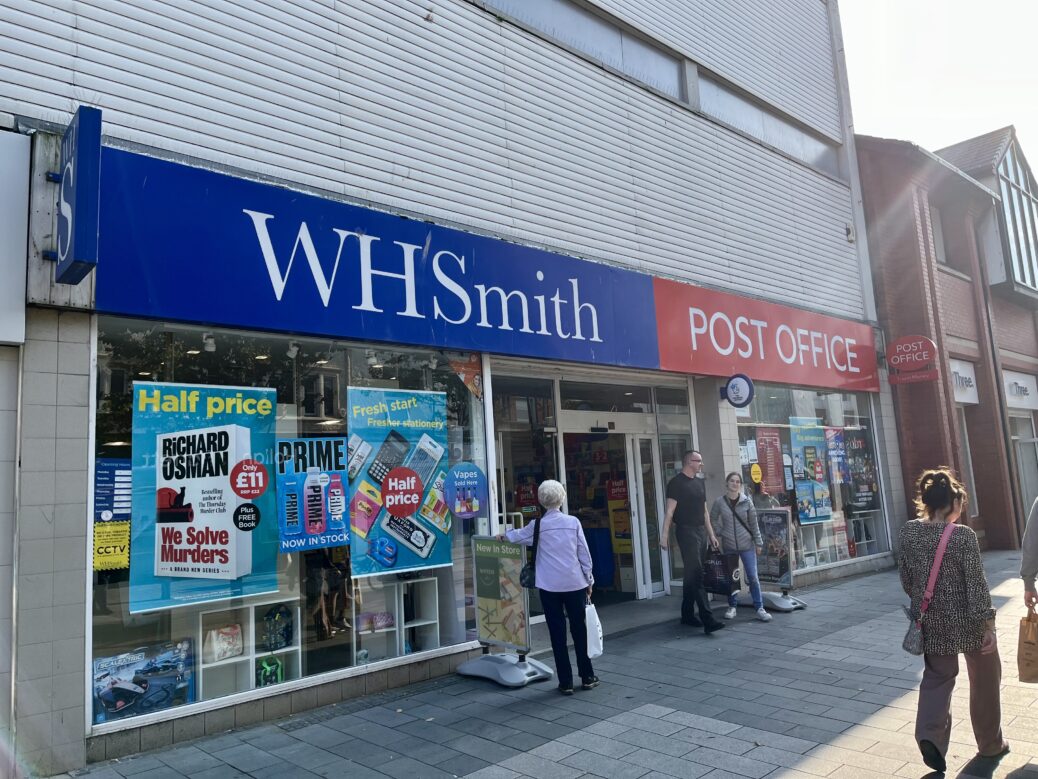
<point>396,470</point>
<point>204,524</point>
<point>313,493</point>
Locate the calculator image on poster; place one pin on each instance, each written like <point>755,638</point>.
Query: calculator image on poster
<point>424,457</point>
<point>390,455</point>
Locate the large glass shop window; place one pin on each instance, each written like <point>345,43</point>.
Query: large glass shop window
<point>301,443</point>
<point>814,451</point>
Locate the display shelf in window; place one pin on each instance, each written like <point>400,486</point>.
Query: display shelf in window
<point>234,638</point>
<point>375,621</point>
<point>419,602</point>
<point>398,617</point>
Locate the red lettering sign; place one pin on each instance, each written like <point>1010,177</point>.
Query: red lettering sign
<point>402,492</point>
<point>720,334</point>
<point>912,359</point>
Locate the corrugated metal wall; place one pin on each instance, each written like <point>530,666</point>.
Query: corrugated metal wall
<point>779,50</point>
<point>436,107</point>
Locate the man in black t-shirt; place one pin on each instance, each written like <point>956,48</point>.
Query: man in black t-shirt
<point>686,510</point>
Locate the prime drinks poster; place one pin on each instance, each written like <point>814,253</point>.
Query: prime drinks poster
<point>312,493</point>
<point>396,468</point>
<point>204,524</point>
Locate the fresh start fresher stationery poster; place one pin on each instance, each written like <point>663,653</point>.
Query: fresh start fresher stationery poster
<point>204,525</point>
<point>397,460</point>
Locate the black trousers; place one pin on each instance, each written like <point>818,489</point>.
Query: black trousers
<point>694,546</point>
<point>557,606</point>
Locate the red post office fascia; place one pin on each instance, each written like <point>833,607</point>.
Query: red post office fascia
<point>711,333</point>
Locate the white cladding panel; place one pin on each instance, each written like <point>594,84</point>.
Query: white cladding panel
<point>448,113</point>
<point>779,50</point>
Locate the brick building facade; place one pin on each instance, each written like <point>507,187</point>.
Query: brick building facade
<point>951,256</point>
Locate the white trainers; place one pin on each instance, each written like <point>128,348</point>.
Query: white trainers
<point>730,612</point>
<point>763,616</point>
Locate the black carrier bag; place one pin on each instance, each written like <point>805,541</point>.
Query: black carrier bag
<point>721,573</point>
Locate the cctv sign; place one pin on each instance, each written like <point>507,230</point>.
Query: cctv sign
<point>718,334</point>
<point>912,359</point>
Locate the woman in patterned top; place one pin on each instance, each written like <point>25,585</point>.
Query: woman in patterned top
<point>959,620</point>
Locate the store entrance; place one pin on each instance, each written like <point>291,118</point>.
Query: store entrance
<point>613,488</point>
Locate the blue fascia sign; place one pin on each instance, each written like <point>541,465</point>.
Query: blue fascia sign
<point>187,244</point>
<point>78,201</point>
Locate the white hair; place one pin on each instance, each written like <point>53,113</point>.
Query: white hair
<point>551,494</point>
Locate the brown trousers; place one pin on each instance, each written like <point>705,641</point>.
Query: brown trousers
<point>933,720</point>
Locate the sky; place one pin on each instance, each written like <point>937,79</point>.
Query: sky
<point>936,72</point>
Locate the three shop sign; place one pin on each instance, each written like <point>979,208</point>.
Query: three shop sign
<point>912,359</point>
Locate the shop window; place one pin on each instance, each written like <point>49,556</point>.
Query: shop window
<point>967,462</point>
<point>1026,445</point>
<point>527,449</point>
<point>938,235</point>
<point>317,617</point>
<point>814,452</point>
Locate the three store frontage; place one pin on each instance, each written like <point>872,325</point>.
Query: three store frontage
<point>513,363</point>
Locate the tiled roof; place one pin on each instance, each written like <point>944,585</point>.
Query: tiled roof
<point>982,154</point>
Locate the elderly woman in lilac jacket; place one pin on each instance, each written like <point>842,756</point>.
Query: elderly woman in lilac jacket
<point>564,581</point>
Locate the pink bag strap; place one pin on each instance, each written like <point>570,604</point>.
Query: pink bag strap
<point>938,558</point>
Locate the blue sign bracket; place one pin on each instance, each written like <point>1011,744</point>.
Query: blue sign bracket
<point>79,187</point>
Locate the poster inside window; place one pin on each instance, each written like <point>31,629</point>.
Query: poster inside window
<point>814,451</point>
<point>238,503</point>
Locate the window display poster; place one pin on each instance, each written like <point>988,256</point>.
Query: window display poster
<point>805,489</point>
<point>113,493</point>
<point>312,493</point>
<point>837,455</point>
<point>204,524</point>
<point>773,563</point>
<point>465,490</point>
<point>769,457</point>
<point>148,679</point>
<point>405,436</point>
<point>823,501</point>
<point>807,440</point>
<point>862,469</point>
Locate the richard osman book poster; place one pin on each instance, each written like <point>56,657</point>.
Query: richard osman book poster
<point>204,525</point>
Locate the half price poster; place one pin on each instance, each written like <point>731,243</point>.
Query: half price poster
<point>397,455</point>
<point>204,525</point>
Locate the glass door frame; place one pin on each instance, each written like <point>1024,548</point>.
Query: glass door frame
<point>633,427</point>
<point>644,566</point>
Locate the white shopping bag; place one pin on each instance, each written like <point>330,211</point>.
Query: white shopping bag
<point>594,631</point>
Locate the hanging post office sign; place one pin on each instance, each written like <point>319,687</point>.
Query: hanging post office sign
<point>912,359</point>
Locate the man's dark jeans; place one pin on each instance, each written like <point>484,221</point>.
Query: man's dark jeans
<point>694,547</point>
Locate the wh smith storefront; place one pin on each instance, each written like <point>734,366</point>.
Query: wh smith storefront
<point>259,362</point>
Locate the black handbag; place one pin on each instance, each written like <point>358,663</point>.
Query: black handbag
<point>528,575</point>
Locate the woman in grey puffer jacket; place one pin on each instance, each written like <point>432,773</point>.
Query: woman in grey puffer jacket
<point>734,520</point>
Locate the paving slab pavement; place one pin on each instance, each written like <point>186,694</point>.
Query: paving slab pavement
<point>824,692</point>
